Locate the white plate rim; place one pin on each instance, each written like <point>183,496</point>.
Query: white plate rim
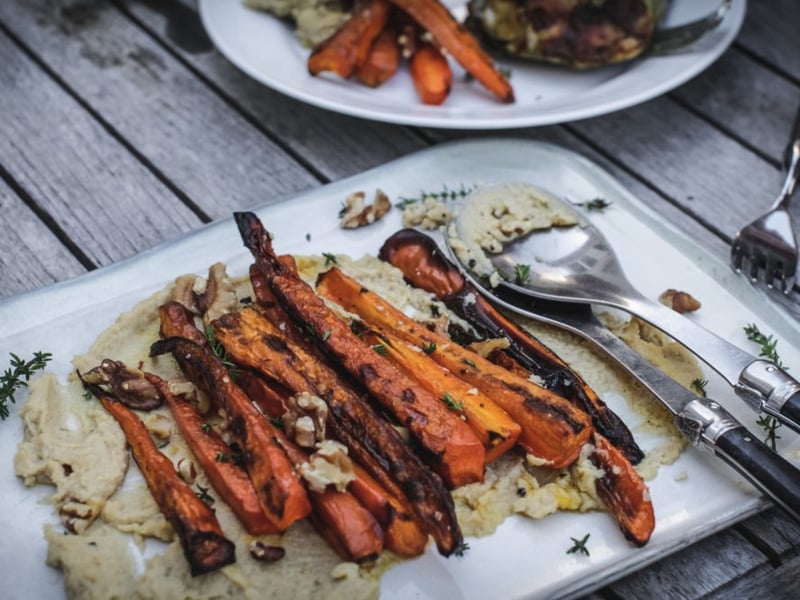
<point>636,82</point>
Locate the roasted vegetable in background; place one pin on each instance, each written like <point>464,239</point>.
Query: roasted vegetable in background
<point>576,33</point>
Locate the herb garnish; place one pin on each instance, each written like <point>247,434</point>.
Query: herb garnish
<point>330,259</point>
<point>461,548</point>
<point>429,348</point>
<point>223,457</point>
<point>326,335</point>
<point>445,194</point>
<point>452,403</point>
<point>521,273</point>
<point>768,344</point>
<point>468,362</point>
<point>203,494</point>
<point>595,204</point>
<point>699,386</point>
<point>380,348</point>
<point>18,375</point>
<point>219,351</point>
<point>205,427</point>
<point>579,545</point>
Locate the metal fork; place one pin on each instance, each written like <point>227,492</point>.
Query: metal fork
<point>766,249</point>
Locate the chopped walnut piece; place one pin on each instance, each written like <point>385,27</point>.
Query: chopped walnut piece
<point>261,551</point>
<point>304,419</point>
<point>328,465</point>
<point>678,301</point>
<point>486,347</point>
<point>357,213</point>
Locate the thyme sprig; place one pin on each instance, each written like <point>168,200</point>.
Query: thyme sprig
<point>219,351</point>
<point>444,195</point>
<point>17,376</point>
<point>452,403</point>
<point>699,385</point>
<point>579,545</point>
<point>768,344</point>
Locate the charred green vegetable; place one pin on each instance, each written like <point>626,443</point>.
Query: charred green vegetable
<point>577,33</point>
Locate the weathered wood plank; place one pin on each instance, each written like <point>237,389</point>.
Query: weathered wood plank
<point>211,153</point>
<point>701,569</point>
<point>30,255</point>
<point>106,203</point>
<point>770,32</point>
<point>776,584</point>
<point>334,145</point>
<point>746,99</point>
<point>775,533</point>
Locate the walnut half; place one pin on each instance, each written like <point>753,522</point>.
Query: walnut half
<point>357,213</point>
<point>678,301</point>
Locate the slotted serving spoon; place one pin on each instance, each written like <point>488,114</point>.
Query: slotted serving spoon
<point>577,264</point>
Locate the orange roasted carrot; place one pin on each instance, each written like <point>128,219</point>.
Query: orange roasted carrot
<point>496,430</point>
<point>623,491</point>
<point>267,396</point>
<point>228,478</point>
<point>177,321</point>
<point>255,342</point>
<point>205,546</point>
<point>349,46</point>
<point>431,74</point>
<point>552,429</point>
<point>382,61</point>
<point>280,491</point>
<point>459,43</point>
<point>401,532</point>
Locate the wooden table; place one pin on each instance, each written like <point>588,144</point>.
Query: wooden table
<point>121,127</point>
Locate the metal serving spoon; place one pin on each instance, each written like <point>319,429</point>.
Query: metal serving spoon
<point>577,264</point>
<point>702,420</point>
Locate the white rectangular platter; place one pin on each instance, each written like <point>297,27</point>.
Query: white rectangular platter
<point>694,497</point>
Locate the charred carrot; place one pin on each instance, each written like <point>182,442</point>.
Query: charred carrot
<point>349,46</point>
<point>216,459</point>
<point>624,492</point>
<point>255,342</point>
<point>431,74</point>
<point>267,396</point>
<point>552,429</point>
<point>459,43</point>
<point>205,546</point>
<point>496,430</point>
<point>382,61</point>
<point>425,267</point>
<point>401,532</point>
<point>279,488</point>
<point>177,321</point>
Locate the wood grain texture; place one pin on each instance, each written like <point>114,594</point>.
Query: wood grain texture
<point>331,144</point>
<point>770,32</point>
<point>777,584</point>
<point>30,255</point>
<point>212,154</point>
<point>102,199</point>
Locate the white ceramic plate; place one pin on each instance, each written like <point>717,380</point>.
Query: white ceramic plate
<point>524,558</point>
<point>266,49</point>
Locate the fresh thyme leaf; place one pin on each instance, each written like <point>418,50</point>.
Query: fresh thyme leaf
<point>429,348</point>
<point>521,273</point>
<point>405,202</point>
<point>595,204</point>
<point>330,259</point>
<point>18,375</point>
<point>205,427</point>
<point>326,335</point>
<point>162,444</point>
<point>202,493</point>
<point>505,72</point>
<point>380,349</point>
<point>445,194</point>
<point>468,362</point>
<point>579,545</point>
<point>699,386</point>
<point>87,395</point>
<point>452,403</point>
<point>219,351</point>
<point>461,548</point>
<point>768,344</point>
<point>223,457</point>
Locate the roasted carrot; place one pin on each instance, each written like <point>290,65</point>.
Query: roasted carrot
<point>382,61</point>
<point>349,46</point>
<point>268,396</point>
<point>401,532</point>
<point>253,341</point>
<point>496,430</point>
<point>205,546</point>
<point>459,43</point>
<point>431,74</point>
<point>215,457</point>
<point>280,491</point>
<point>552,429</point>
<point>178,321</point>
<point>624,492</point>
<point>424,266</point>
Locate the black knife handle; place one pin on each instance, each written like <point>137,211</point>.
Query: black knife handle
<point>764,468</point>
<point>791,411</point>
